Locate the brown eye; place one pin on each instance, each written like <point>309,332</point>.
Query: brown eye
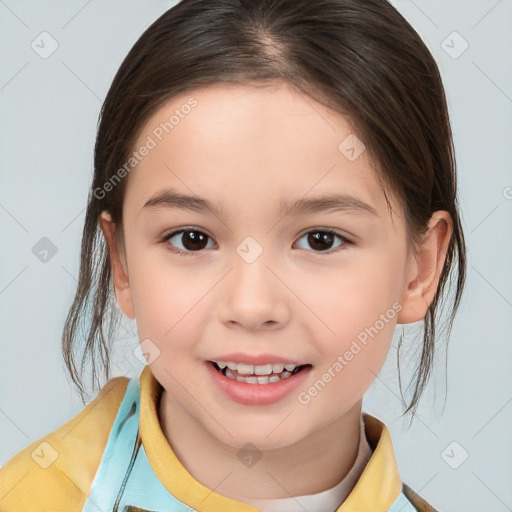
<point>190,240</point>
<point>321,240</point>
<point>194,240</point>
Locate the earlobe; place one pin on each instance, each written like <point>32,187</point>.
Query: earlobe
<point>424,269</point>
<point>118,266</point>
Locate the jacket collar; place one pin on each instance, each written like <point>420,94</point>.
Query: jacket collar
<point>377,489</point>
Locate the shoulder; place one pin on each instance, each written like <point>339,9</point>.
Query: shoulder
<point>56,472</point>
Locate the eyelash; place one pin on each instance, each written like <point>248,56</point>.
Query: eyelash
<point>179,252</point>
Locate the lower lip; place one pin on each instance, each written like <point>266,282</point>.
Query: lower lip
<point>257,394</point>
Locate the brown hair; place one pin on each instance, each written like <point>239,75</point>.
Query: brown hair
<point>358,57</point>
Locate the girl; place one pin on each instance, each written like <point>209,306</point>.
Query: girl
<point>274,191</point>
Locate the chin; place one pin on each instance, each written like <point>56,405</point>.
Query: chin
<point>263,436</point>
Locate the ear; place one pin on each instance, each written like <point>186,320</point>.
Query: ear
<point>424,269</point>
<point>118,266</point>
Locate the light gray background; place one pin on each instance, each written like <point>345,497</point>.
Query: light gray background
<point>49,109</point>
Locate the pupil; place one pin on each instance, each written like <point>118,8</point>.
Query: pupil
<point>320,238</point>
<point>193,240</point>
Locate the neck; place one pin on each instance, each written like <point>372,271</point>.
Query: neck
<point>328,454</point>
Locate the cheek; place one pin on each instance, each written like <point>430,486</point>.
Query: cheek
<point>167,301</point>
<point>359,311</point>
<point>351,299</point>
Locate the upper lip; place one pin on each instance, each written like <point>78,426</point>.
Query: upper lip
<point>259,359</point>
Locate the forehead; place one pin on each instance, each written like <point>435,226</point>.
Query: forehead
<point>250,143</point>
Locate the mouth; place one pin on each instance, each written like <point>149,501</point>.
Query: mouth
<point>257,374</point>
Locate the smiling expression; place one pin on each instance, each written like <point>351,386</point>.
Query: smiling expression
<point>284,251</point>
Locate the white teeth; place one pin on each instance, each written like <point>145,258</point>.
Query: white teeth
<point>245,369</point>
<point>258,380</point>
<point>263,369</point>
<point>249,380</point>
<point>259,369</point>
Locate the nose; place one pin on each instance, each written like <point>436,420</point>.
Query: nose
<point>254,296</point>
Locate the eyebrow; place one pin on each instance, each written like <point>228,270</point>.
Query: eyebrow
<point>328,202</point>
<point>171,199</point>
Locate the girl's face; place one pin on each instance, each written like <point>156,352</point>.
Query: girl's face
<point>260,279</point>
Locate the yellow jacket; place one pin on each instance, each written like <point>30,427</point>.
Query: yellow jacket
<point>74,468</point>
